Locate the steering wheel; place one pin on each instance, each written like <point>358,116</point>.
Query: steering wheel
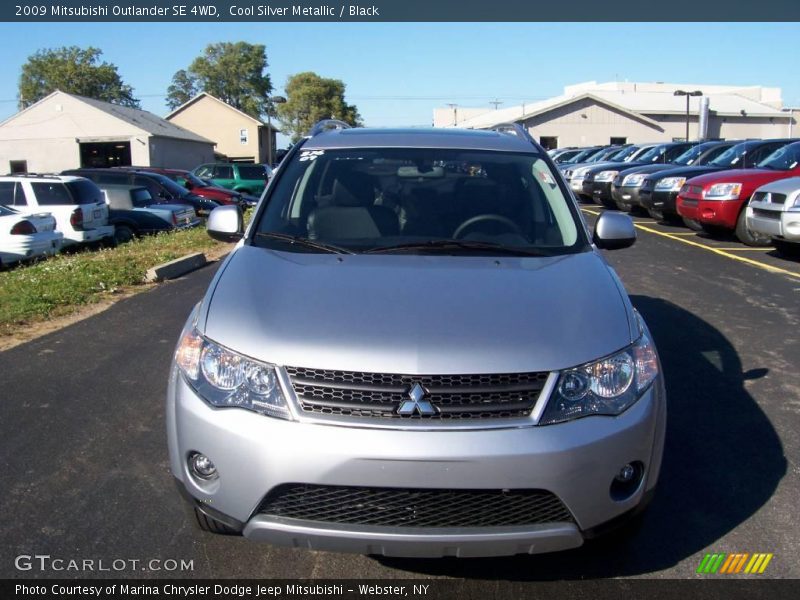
<point>513,227</point>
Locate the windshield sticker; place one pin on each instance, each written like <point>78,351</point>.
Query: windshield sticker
<point>546,178</point>
<point>310,154</point>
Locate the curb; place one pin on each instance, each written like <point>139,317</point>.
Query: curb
<point>176,268</point>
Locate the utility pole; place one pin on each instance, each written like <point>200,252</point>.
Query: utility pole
<point>687,94</point>
<point>496,103</point>
<point>270,146</point>
<point>455,113</point>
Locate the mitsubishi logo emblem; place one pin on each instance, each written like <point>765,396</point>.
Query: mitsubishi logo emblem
<point>417,403</point>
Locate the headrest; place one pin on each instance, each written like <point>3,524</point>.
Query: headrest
<point>353,188</point>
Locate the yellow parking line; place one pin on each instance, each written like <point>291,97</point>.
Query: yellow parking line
<point>686,233</point>
<point>746,249</point>
<point>721,251</point>
<point>749,261</point>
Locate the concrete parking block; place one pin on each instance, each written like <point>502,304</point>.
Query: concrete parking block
<point>176,268</point>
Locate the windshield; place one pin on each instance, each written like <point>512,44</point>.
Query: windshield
<point>581,156</point>
<point>691,155</point>
<point>731,156</point>
<point>783,159</point>
<point>626,153</point>
<point>366,199</point>
<point>652,155</point>
<point>172,187</point>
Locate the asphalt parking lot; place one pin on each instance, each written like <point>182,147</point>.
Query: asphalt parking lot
<point>84,458</point>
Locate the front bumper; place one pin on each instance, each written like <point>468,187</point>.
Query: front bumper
<point>663,201</point>
<point>576,461</point>
<point>627,196</point>
<point>721,213</point>
<point>781,224</point>
<point>601,190</point>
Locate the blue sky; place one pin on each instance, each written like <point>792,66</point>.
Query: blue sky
<point>396,73</point>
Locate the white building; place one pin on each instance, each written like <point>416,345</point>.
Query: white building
<point>622,112</point>
<point>65,131</point>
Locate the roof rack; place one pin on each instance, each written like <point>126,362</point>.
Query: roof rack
<point>513,129</point>
<point>327,124</point>
<point>34,175</point>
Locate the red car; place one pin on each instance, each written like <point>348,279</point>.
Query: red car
<point>718,200</point>
<point>197,186</point>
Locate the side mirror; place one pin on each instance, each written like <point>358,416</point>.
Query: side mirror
<point>226,223</point>
<point>613,231</point>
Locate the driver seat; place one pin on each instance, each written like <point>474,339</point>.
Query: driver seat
<point>351,212</point>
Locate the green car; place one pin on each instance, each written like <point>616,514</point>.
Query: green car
<point>245,178</point>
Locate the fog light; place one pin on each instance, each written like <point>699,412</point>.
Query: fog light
<point>627,481</point>
<point>202,467</point>
<point>626,473</point>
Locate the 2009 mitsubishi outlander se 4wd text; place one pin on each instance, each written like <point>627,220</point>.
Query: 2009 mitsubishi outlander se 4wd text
<point>396,358</point>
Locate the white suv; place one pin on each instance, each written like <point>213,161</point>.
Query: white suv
<point>76,203</point>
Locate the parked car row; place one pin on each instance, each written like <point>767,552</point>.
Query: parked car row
<point>748,187</point>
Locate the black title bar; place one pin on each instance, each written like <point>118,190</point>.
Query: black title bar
<point>277,11</point>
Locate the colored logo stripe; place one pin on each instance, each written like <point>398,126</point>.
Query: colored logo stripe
<point>734,563</point>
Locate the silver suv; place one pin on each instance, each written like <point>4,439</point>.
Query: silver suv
<point>397,359</point>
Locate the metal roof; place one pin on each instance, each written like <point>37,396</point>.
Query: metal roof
<point>638,105</point>
<point>460,139</point>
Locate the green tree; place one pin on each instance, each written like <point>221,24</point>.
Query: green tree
<point>233,72</point>
<point>73,70</point>
<point>310,98</point>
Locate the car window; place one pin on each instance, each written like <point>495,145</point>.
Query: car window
<point>141,197</point>
<point>712,155</point>
<point>11,194</point>
<point>363,199</point>
<point>151,185</point>
<point>52,194</point>
<point>782,159</point>
<point>252,173</point>
<point>223,172</point>
<point>205,171</point>
<point>85,192</point>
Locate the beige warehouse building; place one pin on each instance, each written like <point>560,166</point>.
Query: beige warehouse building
<point>623,112</point>
<point>65,131</point>
<point>237,135</point>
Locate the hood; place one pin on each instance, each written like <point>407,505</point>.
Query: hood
<point>686,171</point>
<point>737,176</point>
<point>645,170</point>
<point>418,314</point>
<point>782,186</point>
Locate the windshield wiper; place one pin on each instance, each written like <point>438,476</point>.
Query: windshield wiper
<point>301,241</point>
<point>456,244</point>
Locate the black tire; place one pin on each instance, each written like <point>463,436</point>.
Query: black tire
<point>656,214</point>
<point>692,224</point>
<point>621,206</point>
<point>123,234</point>
<point>748,237</point>
<point>211,525</point>
<point>788,249</point>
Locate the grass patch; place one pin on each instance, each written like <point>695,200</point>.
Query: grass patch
<point>59,285</point>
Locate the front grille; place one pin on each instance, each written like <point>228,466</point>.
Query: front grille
<point>358,394</point>
<point>769,197</point>
<point>401,507</point>
<point>767,214</point>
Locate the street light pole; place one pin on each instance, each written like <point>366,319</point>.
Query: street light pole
<point>270,149</point>
<point>687,94</point>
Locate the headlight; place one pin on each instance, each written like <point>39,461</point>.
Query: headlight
<point>723,191</point>
<point>670,184</point>
<point>579,173</point>
<point>608,386</point>
<point>634,179</point>
<point>606,175</point>
<point>226,379</point>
